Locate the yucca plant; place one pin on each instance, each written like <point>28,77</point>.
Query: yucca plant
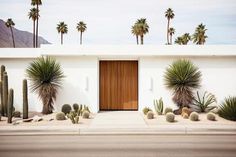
<point>182,76</point>
<point>158,105</point>
<point>227,109</point>
<point>45,75</point>
<point>203,104</point>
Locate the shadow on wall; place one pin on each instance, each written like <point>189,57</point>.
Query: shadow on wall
<point>70,94</point>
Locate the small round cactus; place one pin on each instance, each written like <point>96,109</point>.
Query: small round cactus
<point>150,115</point>
<point>16,114</point>
<point>211,116</point>
<point>170,117</point>
<point>66,108</point>
<point>194,116</point>
<point>75,107</point>
<point>60,116</point>
<point>85,115</point>
<point>185,116</point>
<point>145,110</point>
<point>167,110</point>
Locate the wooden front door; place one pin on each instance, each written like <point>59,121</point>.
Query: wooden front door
<point>118,85</point>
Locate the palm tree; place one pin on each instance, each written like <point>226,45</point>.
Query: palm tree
<point>169,14</point>
<point>186,38</point>
<point>179,40</point>
<point>135,31</point>
<point>81,27</point>
<point>46,76</point>
<point>182,76</point>
<point>62,28</point>
<point>171,33</point>
<point>143,28</point>
<point>199,36</point>
<point>37,3</point>
<point>9,23</point>
<point>33,15</point>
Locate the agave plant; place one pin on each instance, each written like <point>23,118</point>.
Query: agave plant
<point>204,104</point>
<point>227,109</point>
<point>45,75</point>
<point>158,105</point>
<point>182,76</point>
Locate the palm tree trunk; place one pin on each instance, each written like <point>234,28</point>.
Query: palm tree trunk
<point>170,39</point>
<point>12,35</point>
<point>167,34</point>
<point>37,26</point>
<point>34,33</point>
<point>137,39</point>
<point>141,39</point>
<point>61,38</point>
<point>80,38</point>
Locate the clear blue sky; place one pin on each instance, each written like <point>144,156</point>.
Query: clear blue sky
<point>109,21</point>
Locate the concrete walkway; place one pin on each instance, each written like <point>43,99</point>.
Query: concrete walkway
<point>118,119</point>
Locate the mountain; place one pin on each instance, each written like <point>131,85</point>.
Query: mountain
<point>22,38</point>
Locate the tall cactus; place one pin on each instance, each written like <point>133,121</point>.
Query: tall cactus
<point>25,99</point>
<point>1,103</point>
<point>5,92</point>
<point>10,105</point>
<point>1,90</point>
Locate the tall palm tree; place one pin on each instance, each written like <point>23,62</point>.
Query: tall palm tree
<point>63,29</point>
<point>171,33</point>
<point>135,31</point>
<point>186,38</point>
<point>179,40</point>
<point>33,14</point>
<point>46,77</point>
<point>199,36</point>
<point>169,14</point>
<point>81,27</point>
<point>9,23</point>
<point>143,28</point>
<point>37,3</point>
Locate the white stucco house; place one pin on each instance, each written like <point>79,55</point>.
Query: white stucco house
<point>92,73</point>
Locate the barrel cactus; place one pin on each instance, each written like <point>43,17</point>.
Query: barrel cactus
<point>25,99</point>
<point>170,117</point>
<point>167,110</point>
<point>66,108</point>
<point>194,116</point>
<point>146,110</point>
<point>60,116</point>
<point>85,115</point>
<point>211,116</point>
<point>76,107</point>
<point>150,115</point>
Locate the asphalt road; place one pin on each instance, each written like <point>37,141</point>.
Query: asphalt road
<point>120,146</point>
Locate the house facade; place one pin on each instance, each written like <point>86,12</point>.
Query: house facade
<point>121,77</point>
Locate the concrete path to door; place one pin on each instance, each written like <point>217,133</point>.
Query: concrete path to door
<point>118,119</point>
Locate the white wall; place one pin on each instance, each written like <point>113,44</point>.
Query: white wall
<point>218,77</point>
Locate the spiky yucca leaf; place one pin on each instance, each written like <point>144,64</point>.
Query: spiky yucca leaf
<point>45,75</point>
<point>227,109</point>
<point>182,76</point>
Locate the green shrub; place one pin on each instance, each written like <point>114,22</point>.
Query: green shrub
<point>211,116</point>
<point>75,107</point>
<point>16,114</point>
<point>158,105</point>
<point>66,108</point>
<point>60,116</point>
<point>146,109</point>
<point>194,116</point>
<point>85,114</point>
<point>150,115</point>
<point>170,117</point>
<point>227,109</point>
<point>204,104</point>
<point>168,109</point>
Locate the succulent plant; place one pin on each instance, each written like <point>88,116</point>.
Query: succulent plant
<point>16,114</point>
<point>211,116</point>
<point>76,120</point>
<point>150,115</point>
<point>10,105</point>
<point>158,105</point>
<point>227,109</point>
<point>75,107</point>
<point>5,92</point>
<point>167,110</point>
<point>66,108</point>
<point>85,114</point>
<point>194,116</point>
<point>60,116</point>
<point>145,110</point>
<point>25,99</point>
<point>170,117</point>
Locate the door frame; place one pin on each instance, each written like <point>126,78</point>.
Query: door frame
<point>99,60</point>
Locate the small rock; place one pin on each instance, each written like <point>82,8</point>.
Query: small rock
<point>37,118</point>
<point>27,120</point>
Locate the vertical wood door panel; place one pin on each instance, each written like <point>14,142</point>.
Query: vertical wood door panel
<point>118,88</point>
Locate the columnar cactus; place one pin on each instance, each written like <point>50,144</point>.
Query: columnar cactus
<point>1,91</point>
<point>10,105</point>
<point>5,92</point>
<point>25,99</point>
<point>1,103</point>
